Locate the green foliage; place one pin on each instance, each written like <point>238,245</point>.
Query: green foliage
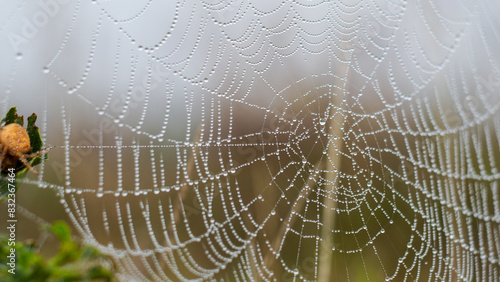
<point>13,117</point>
<point>36,145</point>
<point>73,262</point>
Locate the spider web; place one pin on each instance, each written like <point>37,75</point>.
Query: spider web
<point>269,140</point>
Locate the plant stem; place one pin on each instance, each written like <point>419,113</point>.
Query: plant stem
<point>334,133</point>
<point>269,258</point>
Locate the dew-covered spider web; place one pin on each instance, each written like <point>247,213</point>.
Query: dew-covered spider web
<point>266,140</point>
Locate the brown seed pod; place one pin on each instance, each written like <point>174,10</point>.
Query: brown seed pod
<point>15,146</point>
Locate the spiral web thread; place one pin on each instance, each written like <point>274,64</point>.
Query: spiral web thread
<point>258,139</point>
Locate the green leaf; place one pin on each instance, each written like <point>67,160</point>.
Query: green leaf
<point>34,134</point>
<point>13,117</point>
<point>61,230</point>
<point>98,272</point>
<point>73,262</point>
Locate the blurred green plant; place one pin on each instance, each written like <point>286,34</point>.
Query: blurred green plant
<point>73,262</point>
<point>36,145</point>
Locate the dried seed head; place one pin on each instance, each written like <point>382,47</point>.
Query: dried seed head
<point>15,139</point>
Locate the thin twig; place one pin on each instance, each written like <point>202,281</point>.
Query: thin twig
<point>270,259</point>
<point>185,188</point>
<point>333,162</point>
